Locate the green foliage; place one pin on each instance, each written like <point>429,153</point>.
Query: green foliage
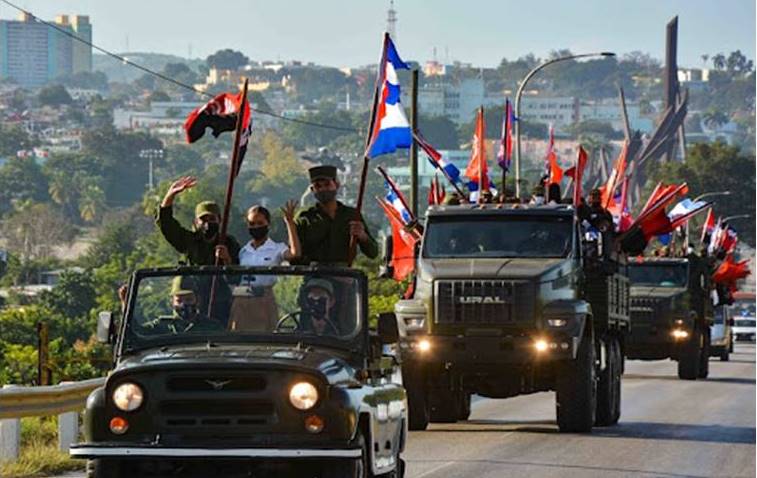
<point>54,95</point>
<point>14,138</point>
<point>227,59</point>
<point>72,296</point>
<point>21,179</point>
<point>302,136</point>
<point>440,131</point>
<point>96,80</point>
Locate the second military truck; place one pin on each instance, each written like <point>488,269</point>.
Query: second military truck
<point>510,301</point>
<point>672,313</point>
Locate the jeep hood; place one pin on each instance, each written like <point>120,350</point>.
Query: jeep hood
<point>516,268</point>
<point>333,365</point>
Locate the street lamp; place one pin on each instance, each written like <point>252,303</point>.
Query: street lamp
<point>737,216</point>
<point>706,195</point>
<point>518,95</point>
<point>151,154</point>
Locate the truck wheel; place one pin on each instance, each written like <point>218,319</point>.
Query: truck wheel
<point>577,390</point>
<point>704,356</point>
<point>444,406</point>
<point>102,468</point>
<point>688,359</point>
<point>417,402</point>
<point>608,387</point>
<point>464,406</point>
<point>618,387</point>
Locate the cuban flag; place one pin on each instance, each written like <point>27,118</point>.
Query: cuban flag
<point>391,129</point>
<point>504,154</point>
<point>437,160</point>
<point>395,198</point>
<point>685,210</point>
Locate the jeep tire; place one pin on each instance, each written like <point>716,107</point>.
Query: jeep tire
<point>104,468</point>
<point>576,388</point>
<point>688,358</point>
<point>357,468</point>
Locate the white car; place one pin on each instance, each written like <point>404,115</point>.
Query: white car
<point>744,328</point>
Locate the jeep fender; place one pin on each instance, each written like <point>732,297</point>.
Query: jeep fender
<point>94,423</point>
<point>382,420</point>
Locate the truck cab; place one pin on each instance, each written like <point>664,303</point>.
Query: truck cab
<point>511,300</point>
<point>672,313</point>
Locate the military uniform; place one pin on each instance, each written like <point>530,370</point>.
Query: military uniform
<point>191,244</point>
<point>324,239</point>
<point>175,324</point>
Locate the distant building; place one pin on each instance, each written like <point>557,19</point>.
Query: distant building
<point>457,101</point>
<point>33,53</point>
<point>609,111</point>
<point>557,111</point>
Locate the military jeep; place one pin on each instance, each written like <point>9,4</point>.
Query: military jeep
<point>510,301</point>
<point>672,313</point>
<point>241,371</point>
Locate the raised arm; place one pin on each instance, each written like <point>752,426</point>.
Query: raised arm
<point>295,247</point>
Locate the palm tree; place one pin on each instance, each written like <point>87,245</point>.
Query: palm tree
<point>91,203</point>
<point>704,58</point>
<point>718,61</point>
<point>714,118</point>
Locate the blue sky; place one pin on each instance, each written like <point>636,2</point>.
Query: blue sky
<point>347,32</point>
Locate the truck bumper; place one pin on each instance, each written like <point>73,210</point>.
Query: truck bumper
<point>476,350</point>
<point>121,450</point>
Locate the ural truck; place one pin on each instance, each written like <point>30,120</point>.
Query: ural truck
<point>512,300</point>
<point>284,379</point>
<point>671,312</point>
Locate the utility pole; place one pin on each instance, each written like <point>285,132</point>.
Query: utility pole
<point>414,146</point>
<point>43,355</point>
<point>151,155</point>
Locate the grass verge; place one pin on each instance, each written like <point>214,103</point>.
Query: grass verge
<point>39,451</point>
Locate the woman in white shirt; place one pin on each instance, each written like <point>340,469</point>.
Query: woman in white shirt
<point>255,309</point>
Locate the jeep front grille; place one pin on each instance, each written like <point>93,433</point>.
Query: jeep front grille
<point>224,384</point>
<point>487,302</point>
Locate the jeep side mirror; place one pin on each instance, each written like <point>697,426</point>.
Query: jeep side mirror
<point>388,330</point>
<point>104,320</point>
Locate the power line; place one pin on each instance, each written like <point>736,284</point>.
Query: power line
<point>168,79</point>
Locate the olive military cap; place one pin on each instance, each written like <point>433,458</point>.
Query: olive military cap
<point>207,207</point>
<point>181,286</point>
<point>322,172</point>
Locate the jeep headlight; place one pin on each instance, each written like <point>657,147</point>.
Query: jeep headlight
<point>128,396</point>
<point>303,395</point>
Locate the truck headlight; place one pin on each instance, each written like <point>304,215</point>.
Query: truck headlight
<point>415,323</point>
<point>557,322</point>
<point>303,395</point>
<point>128,396</point>
<point>679,334</point>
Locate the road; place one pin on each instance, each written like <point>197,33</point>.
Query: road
<point>669,428</point>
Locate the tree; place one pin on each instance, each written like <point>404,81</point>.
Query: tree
<point>594,127</point>
<point>737,63</point>
<point>92,202</point>
<point>227,59</point>
<point>158,96</point>
<point>440,131</point>
<point>54,95</point>
<point>73,295</point>
<point>34,230</point>
<point>717,167</point>
<point>90,80</point>
<point>21,179</point>
<point>714,118</point>
<point>718,61</point>
<point>14,138</point>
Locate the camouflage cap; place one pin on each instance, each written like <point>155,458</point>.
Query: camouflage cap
<point>320,284</point>
<point>322,172</point>
<point>207,207</point>
<point>181,286</point>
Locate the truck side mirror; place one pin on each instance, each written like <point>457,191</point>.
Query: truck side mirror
<point>386,271</point>
<point>388,330</point>
<point>104,320</point>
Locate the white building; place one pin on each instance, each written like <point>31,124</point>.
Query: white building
<point>457,101</point>
<point>558,111</point>
<point>610,111</point>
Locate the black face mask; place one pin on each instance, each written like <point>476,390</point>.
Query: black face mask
<point>324,197</point>
<point>317,307</point>
<point>209,229</point>
<point>258,232</point>
<point>186,311</point>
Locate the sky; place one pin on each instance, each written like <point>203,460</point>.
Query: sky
<point>348,32</point>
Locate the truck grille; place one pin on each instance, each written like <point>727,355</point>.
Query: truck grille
<point>488,302</point>
<point>643,311</point>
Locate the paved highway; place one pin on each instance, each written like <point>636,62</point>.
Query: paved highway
<point>669,428</point>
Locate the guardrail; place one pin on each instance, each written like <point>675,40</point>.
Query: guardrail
<point>64,400</point>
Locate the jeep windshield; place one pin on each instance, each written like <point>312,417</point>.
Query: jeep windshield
<point>659,275</point>
<point>245,305</point>
<point>497,235</point>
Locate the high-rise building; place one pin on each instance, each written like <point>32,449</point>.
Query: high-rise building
<point>32,53</point>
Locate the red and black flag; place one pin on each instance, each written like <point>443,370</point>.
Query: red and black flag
<point>220,115</point>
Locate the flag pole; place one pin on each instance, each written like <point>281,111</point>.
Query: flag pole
<point>229,188</point>
<point>459,191</point>
<point>480,152</point>
<point>364,172</point>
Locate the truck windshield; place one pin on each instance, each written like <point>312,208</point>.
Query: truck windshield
<point>659,275</point>
<point>239,306</point>
<point>744,323</point>
<point>496,236</point>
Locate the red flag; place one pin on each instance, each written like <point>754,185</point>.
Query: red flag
<point>654,221</point>
<point>709,225</point>
<point>577,173</point>
<point>436,192</point>
<point>477,170</point>
<point>220,115</point>
<point>505,152</point>
<point>403,245</point>
<point>730,271</point>
<point>617,175</point>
